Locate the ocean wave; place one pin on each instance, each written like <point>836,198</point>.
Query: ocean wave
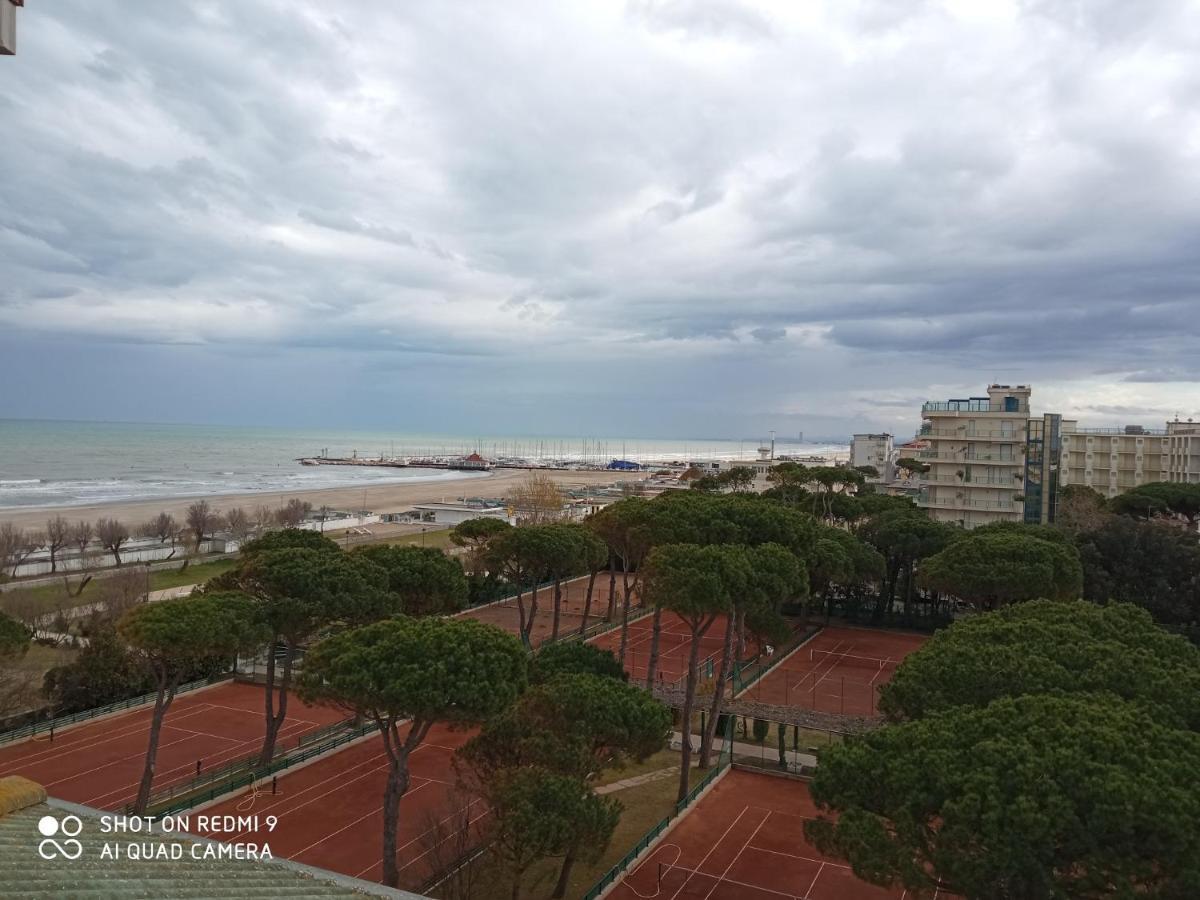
<point>15,481</point>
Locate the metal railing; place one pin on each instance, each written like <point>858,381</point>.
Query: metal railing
<point>958,456</point>
<point>973,405</point>
<point>618,869</point>
<point>1009,482</point>
<point>963,503</point>
<point>250,778</point>
<point>971,435</point>
<point>50,725</point>
<point>758,668</point>
<point>226,772</point>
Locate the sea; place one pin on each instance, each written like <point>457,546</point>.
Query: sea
<point>55,463</point>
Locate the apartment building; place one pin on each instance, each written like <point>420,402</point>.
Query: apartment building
<point>1112,460</point>
<point>1181,455</point>
<point>874,450</point>
<point>991,460</point>
<point>976,457</point>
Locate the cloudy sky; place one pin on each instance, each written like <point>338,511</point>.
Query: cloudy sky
<point>670,218</point>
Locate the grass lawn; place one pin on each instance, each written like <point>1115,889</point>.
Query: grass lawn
<point>644,807</point>
<point>21,680</point>
<point>196,573</point>
<point>41,659</point>
<point>439,539</point>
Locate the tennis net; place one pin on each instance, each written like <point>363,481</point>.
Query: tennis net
<point>836,657</point>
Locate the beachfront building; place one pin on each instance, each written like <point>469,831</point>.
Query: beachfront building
<point>447,515</point>
<point>991,460</point>
<point>1113,460</point>
<point>1182,452</point>
<point>976,457</point>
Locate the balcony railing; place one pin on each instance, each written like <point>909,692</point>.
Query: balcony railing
<point>965,434</point>
<point>974,482</point>
<point>965,503</point>
<point>953,456</point>
<point>1120,432</point>
<point>981,406</point>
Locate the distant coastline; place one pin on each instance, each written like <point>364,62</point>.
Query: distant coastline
<point>77,467</point>
<point>380,497</point>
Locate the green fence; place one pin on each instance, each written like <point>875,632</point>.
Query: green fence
<point>246,779</point>
<point>227,771</point>
<point>48,725</point>
<point>613,874</point>
<point>747,674</point>
<point>601,627</point>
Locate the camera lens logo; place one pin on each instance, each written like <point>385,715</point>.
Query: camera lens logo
<point>69,828</point>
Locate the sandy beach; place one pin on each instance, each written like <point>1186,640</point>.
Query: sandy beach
<point>379,498</point>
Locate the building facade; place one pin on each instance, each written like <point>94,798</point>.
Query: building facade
<point>875,450</point>
<point>1182,452</point>
<point>976,457</point>
<point>991,460</point>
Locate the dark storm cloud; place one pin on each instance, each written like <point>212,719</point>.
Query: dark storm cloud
<point>832,208</point>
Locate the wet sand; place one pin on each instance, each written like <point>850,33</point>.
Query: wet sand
<point>382,498</point>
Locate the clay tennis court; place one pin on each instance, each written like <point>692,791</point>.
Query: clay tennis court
<point>674,645</point>
<point>331,812</point>
<point>99,763</point>
<point>838,671</point>
<point>504,614</point>
<point>744,840</point>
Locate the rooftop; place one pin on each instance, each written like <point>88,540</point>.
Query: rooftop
<point>196,873</point>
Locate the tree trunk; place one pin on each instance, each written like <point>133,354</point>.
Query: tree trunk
<point>685,729</point>
<point>781,732</point>
<point>275,717</point>
<point>587,602</point>
<point>612,593</point>
<point>652,665</point>
<point>714,711</point>
<point>397,784</point>
<point>533,611</point>
<point>521,615</point>
<point>564,876</point>
<point>116,552</point>
<point>166,693</point>
<point>557,607</point>
<point>53,560</point>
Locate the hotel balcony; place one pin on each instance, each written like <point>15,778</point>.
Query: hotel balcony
<point>978,434</point>
<point>967,503</point>
<point>1008,483</point>
<point>956,456</point>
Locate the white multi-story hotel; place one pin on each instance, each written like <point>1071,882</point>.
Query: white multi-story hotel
<point>976,457</point>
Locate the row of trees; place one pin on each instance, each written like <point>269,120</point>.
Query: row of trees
<point>385,650</point>
<point>111,535</point>
<point>734,559</point>
<point>1048,749</point>
<point>537,763</point>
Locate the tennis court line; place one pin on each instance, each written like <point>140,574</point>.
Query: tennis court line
<point>217,756</point>
<point>738,855</point>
